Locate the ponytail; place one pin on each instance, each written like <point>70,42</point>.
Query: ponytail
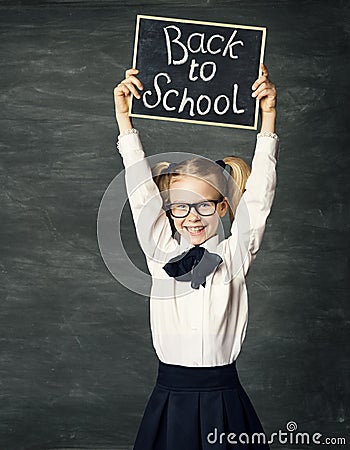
<point>239,171</point>
<point>160,175</point>
<point>162,179</point>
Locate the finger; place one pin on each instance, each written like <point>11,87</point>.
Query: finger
<point>267,85</point>
<point>259,81</point>
<point>124,89</point>
<point>136,81</point>
<point>121,89</point>
<point>261,87</point>
<point>262,94</point>
<point>132,79</point>
<point>266,93</point>
<point>130,72</point>
<point>264,70</point>
<point>131,88</point>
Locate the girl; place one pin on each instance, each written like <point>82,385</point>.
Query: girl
<point>198,302</point>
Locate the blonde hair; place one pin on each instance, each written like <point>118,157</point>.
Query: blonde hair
<point>231,186</point>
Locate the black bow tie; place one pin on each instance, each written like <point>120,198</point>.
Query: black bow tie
<point>193,265</point>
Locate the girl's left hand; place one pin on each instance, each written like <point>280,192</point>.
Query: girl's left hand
<point>265,91</point>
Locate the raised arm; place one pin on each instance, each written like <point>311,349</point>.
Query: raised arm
<point>256,202</point>
<point>151,222</point>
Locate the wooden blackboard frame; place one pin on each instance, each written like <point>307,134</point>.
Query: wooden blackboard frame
<point>202,122</point>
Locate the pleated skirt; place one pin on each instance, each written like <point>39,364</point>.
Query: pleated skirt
<point>199,408</point>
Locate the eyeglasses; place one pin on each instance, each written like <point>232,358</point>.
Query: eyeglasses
<point>204,208</point>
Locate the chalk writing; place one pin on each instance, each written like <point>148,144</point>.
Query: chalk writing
<point>194,106</point>
<point>203,44</point>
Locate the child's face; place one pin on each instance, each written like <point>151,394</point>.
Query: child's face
<point>194,227</point>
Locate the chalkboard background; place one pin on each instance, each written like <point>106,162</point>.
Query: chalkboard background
<point>240,68</point>
<point>76,359</point>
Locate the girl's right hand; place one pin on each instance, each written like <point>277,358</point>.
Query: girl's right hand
<point>122,93</point>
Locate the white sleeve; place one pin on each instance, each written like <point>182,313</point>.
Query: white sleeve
<point>152,225</point>
<point>254,207</point>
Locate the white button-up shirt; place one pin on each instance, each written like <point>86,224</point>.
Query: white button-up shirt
<point>205,326</point>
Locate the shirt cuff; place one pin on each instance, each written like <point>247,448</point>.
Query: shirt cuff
<point>268,145</point>
<point>130,148</point>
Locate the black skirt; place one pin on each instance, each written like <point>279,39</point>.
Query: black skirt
<point>199,408</point>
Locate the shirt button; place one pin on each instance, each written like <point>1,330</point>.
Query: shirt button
<point>194,328</point>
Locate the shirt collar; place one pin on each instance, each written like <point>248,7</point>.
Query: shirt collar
<point>210,244</point>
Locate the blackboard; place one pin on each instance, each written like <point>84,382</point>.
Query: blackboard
<point>199,72</point>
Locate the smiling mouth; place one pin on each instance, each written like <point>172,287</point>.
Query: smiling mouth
<point>195,230</point>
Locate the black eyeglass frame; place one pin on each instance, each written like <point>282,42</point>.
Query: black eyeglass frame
<point>167,206</point>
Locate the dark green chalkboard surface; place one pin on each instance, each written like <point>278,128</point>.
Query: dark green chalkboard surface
<point>196,71</point>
